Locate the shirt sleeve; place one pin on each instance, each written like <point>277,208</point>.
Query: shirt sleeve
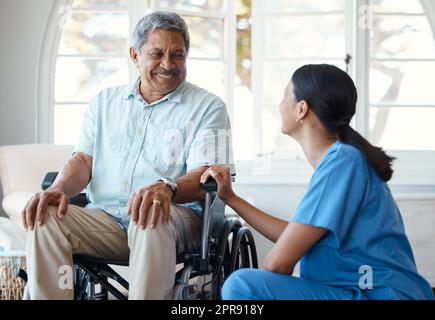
<point>212,142</point>
<point>334,196</point>
<point>86,140</point>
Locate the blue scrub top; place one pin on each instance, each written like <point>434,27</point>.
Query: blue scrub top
<point>365,248</point>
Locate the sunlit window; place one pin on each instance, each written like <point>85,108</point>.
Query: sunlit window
<point>93,53</point>
<point>402,73</point>
<point>245,52</point>
<point>92,56</point>
<point>286,35</point>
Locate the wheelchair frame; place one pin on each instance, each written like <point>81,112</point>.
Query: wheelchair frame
<point>226,246</point>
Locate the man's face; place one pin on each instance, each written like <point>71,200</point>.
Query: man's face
<point>161,62</point>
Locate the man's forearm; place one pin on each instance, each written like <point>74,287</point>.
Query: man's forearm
<point>189,187</point>
<point>74,176</point>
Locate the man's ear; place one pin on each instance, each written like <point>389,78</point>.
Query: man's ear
<point>133,56</point>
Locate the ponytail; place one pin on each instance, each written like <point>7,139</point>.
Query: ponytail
<point>375,156</point>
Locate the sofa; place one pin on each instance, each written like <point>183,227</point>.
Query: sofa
<point>22,168</point>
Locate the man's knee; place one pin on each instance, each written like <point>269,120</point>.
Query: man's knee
<point>51,211</point>
<point>150,235</point>
<point>51,221</point>
<point>46,230</point>
<point>51,216</point>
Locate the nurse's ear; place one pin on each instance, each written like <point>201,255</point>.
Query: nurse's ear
<point>302,110</point>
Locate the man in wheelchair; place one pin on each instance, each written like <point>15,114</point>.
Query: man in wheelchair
<point>141,153</point>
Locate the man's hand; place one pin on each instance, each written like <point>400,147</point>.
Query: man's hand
<point>36,207</point>
<point>155,197</point>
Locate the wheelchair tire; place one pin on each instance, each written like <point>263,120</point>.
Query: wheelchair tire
<point>80,284</point>
<point>221,268</point>
<point>243,251</point>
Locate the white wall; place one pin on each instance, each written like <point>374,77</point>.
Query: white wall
<point>277,200</point>
<point>22,27</point>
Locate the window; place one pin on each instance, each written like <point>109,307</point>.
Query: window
<point>251,47</point>
<point>286,35</point>
<point>391,61</point>
<point>93,52</point>
<point>91,57</point>
<point>402,71</point>
<point>401,101</point>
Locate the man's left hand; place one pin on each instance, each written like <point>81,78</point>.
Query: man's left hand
<point>154,199</point>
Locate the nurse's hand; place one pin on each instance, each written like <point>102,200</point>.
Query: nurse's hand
<point>222,176</point>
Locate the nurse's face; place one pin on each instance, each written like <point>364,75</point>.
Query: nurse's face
<point>287,109</point>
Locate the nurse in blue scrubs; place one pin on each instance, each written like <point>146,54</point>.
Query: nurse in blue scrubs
<point>347,230</point>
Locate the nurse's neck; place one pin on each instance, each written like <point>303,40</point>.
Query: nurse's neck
<point>315,141</point>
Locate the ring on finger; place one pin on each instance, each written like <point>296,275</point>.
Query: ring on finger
<point>155,201</point>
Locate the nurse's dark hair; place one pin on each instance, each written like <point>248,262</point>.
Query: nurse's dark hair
<point>331,95</point>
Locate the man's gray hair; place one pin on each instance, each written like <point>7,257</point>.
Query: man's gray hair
<point>159,20</point>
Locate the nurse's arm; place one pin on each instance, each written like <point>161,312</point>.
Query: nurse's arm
<point>293,243</point>
<point>269,226</point>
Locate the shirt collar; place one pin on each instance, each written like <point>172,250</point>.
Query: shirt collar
<point>174,96</point>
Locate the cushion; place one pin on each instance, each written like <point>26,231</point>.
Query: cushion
<point>22,167</point>
<point>12,236</point>
<point>14,203</point>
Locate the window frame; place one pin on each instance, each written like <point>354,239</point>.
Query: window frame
<point>412,167</point>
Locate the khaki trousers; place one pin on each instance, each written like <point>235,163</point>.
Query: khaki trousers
<point>151,252</point>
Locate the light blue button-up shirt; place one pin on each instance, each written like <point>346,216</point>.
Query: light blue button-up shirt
<point>133,143</point>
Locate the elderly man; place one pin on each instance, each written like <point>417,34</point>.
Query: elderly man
<point>141,153</point>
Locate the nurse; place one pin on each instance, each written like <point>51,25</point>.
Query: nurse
<point>347,230</point>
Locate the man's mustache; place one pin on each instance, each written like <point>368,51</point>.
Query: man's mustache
<point>172,72</point>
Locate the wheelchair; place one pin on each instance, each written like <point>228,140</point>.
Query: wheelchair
<point>226,245</point>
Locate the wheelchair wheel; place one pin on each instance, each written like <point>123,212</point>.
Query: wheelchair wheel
<point>222,257</point>
<point>81,281</point>
<point>243,251</point>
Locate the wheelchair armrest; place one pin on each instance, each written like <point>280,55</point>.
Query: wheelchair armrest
<point>79,200</point>
<point>48,180</point>
<point>210,185</point>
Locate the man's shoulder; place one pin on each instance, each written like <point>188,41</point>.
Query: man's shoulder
<point>114,92</point>
<point>197,93</point>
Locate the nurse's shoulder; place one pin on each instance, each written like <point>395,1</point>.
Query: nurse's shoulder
<point>342,155</point>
